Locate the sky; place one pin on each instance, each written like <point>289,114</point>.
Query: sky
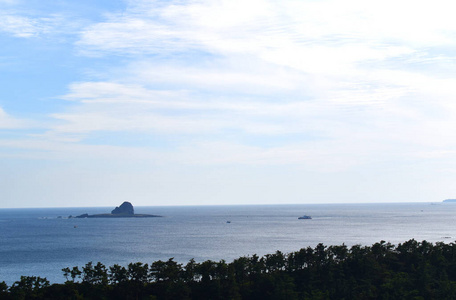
<point>226,102</point>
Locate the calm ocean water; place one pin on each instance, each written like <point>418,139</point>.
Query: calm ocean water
<point>37,242</point>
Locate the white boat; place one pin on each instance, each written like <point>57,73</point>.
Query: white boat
<point>305,217</point>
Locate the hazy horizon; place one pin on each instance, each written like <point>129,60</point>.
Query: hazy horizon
<point>226,102</point>
<point>223,204</point>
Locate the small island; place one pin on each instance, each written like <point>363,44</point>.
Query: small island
<point>450,200</point>
<point>125,210</point>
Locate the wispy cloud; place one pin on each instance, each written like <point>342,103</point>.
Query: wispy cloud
<point>27,27</point>
<point>341,77</point>
<point>264,26</point>
<point>325,86</point>
<point>9,122</point>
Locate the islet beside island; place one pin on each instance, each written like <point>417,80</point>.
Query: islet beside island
<point>125,210</point>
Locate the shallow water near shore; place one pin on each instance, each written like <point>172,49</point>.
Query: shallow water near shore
<point>40,242</point>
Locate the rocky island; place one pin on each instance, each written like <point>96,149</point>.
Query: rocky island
<point>125,210</point>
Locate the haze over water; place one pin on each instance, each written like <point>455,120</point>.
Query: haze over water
<point>37,242</point>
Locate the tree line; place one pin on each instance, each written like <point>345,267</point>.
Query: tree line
<point>409,270</point>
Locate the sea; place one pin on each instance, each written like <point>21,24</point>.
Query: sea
<point>42,241</point>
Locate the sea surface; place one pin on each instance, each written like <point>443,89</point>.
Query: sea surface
<point>40,242</point>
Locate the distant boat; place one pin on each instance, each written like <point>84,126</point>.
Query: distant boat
<point>228,222</point>
<point>305,217</point>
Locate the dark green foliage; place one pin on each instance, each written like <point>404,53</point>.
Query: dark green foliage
<point>29,287</point>
<point>117,275</point>
<point>3,290</point>
<point>410,270</point>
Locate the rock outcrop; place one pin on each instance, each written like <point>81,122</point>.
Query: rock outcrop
<point>125,208</point>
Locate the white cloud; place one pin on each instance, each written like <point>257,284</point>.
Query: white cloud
<point>346,129</point>
<point>342,83</point>
<point>19,26</point>
<point>27,27</point>
<point>9,122</point>
<point>274,47</point>
<point>220,89</point>
<point>261,26</point>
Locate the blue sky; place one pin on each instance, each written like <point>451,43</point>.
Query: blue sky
<point>226,102</point>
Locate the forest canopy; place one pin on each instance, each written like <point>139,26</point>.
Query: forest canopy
<point>409,270</point>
